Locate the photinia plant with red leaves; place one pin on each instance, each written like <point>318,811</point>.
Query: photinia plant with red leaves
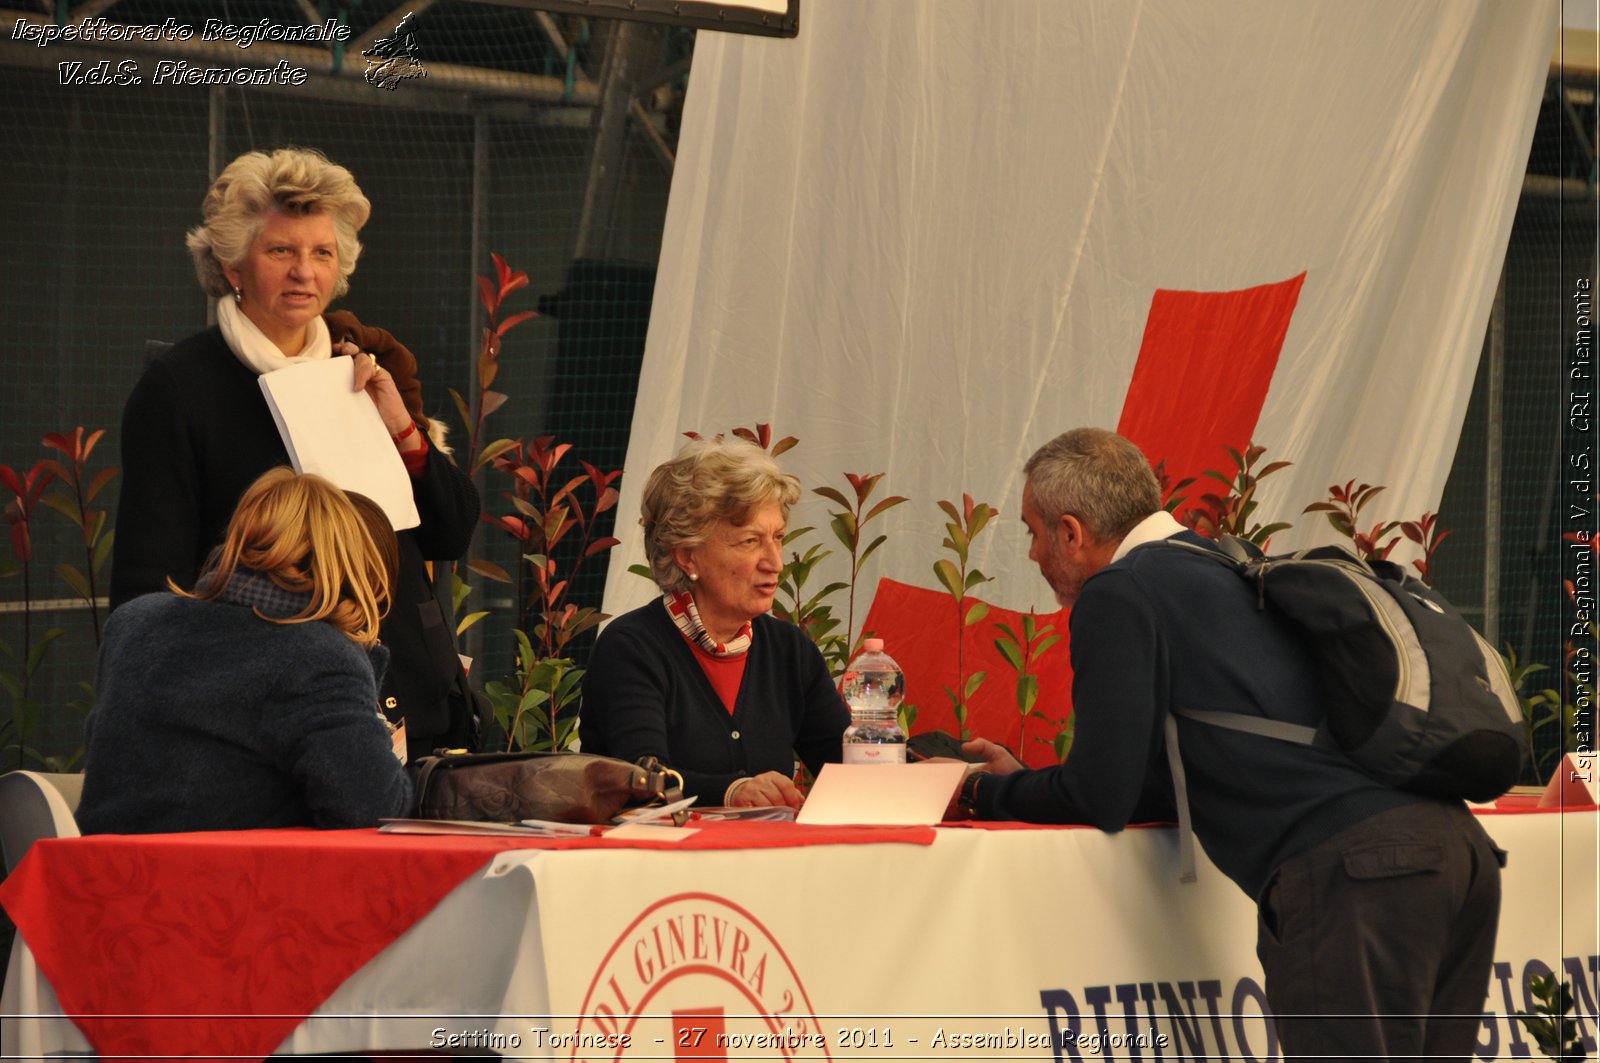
<point>25,490</point>
<point>72,473</point>
<point>1344,506</point>
<point>547,509</point>
<point>849,524</point>
<point>1231,512</point>
<point>958,577</point>
<point>492,292</point>
<point>1426,533</point>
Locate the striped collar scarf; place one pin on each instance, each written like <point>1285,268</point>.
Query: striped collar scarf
<point>686,615</point>
<point>256,591</point>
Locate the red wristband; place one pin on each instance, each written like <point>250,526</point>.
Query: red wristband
<point>405,435</point>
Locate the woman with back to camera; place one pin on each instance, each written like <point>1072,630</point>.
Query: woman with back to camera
<point>251,701</point>
<point>702,677</point>
<point>278,243</point>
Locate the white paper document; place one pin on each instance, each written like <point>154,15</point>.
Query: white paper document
<point>336,433</point>
<point>900,795</point>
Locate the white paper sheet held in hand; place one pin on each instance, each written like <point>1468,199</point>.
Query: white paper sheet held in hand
<point>334,431</point>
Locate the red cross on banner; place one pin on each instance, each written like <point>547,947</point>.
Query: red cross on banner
<point>1205,364</point>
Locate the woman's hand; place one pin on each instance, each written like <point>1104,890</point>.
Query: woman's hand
<point>379,386</point>
<point>768,788</point>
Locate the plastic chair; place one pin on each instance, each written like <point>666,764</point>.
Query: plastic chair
<point>36,805</point>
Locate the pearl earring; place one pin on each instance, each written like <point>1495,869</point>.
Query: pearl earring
<point>694,577</point>
<point>238,296</point>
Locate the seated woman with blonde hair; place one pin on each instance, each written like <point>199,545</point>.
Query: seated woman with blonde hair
<point>703,677</point>
<point>252,700</point>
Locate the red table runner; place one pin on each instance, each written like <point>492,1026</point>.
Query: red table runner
<point>220,944</point>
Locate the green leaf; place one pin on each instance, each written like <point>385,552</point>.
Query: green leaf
<point>1008,649</point>
<point>959,541</point>
<point>844,529</point>
<point>949,576</point>
<point>73,578</point>
<point>470,619</point>
<point>974,577</point>
<point>488,570</point>
<point>887,503</point>
<point>974,681</point>
<point>36,654</point>
<point>1044,644</point>
<point>642,570</point>
<point>976,613</point>
<point>1027,693</point>
<point>862,560</point>
<point>980,518</point>
<point>832,495</point>
<point>494,450</point>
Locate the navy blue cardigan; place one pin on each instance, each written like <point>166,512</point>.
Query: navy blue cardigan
<point>208,717</point>
<point>646,694</point>
<point>1164,627</point>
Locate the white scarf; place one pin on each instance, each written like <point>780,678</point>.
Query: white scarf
<point>251,346</point>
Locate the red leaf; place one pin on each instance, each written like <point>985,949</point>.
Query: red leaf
<point>9,478</point>
<point>513,321</point>
<point>600,545</point>
<point>486,292</point>
<point>492,401</point>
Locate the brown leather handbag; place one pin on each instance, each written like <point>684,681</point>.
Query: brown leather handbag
<point>564,787</point>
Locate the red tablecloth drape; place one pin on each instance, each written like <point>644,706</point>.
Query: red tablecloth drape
<point>219,944</point>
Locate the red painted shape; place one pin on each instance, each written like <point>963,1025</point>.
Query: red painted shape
<point>919,628</point>
<point>1202,376</point>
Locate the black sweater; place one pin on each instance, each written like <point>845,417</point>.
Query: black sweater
<point>646,694</point>
<point>196,431</point>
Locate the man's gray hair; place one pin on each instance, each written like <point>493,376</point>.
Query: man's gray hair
<point>1097,476</point>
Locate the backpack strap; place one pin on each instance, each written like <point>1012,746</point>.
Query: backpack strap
<point>1233,721</point>
<point>1299,734</point>
<point>1180,795</point>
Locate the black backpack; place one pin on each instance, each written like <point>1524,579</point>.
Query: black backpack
<point>1410,692</point>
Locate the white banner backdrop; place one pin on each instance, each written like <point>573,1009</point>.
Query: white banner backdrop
<point>926,236</point>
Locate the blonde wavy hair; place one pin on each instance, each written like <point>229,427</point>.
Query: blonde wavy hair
<point>295,181</point>
<point>710,480</point>
<point>306,536</point>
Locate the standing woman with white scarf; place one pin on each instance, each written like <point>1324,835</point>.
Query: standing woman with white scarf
<point>278,243</point>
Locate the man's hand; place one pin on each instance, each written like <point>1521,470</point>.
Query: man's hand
<point>996,758</point>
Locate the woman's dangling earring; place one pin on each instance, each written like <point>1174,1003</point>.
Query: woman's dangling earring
<point>238,296</point>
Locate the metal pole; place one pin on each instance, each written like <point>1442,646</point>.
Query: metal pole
<point>624,65</point>
<point>1492,462</point>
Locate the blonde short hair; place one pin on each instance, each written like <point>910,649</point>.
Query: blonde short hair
<point>294,181</point>
<point>303,534</point>
<point>710,480</point>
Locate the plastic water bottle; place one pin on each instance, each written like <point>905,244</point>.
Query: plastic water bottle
<point>873,687</point>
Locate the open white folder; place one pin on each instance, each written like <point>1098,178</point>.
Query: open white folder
<point>335,432</point>
<point>901,795</point>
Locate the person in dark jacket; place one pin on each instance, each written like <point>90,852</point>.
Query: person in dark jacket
<point>702,677</point>
<point>251,701</point>
<point>277,244</point>
<point>1376,907</point>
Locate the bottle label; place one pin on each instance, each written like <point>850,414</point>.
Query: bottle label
<point>875,753</point>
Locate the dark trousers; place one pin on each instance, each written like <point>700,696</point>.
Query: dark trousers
<point>1377,944</point>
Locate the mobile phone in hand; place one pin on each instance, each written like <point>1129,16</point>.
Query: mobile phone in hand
<point>938,744</point>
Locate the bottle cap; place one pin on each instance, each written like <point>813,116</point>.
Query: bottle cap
<point>872,645</point>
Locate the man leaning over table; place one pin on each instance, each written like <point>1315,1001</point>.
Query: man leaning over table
<point>1376,908</point>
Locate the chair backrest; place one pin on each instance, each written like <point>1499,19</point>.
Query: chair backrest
<point>36,805</point>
